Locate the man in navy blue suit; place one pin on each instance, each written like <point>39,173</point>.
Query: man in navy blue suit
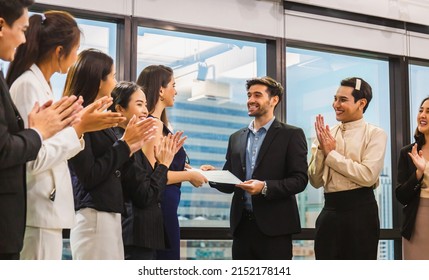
<point>271,158</point>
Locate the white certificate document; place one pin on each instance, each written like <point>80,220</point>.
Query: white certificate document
<point>219,176</point>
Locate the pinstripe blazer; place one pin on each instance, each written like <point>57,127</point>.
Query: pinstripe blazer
<point>143,186</point>
<point>142,223</point>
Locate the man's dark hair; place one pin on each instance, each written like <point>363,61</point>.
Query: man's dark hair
<point>11,10</point>
<point>361,89</point>
<point>274,87</point>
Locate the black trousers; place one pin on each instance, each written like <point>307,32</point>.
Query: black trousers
<point>13,256</point>
<point>139,253</point>
<point>348,228</point>
<point>249,243</point>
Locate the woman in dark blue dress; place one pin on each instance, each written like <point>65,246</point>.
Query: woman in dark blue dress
<point>158,84</point>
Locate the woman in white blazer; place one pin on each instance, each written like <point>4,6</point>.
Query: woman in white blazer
<point>52,43</point>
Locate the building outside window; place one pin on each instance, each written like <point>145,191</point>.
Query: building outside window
<point>312,81</point>
<point>210,105</point>
<point>95,34</point>
<point>418,76</point>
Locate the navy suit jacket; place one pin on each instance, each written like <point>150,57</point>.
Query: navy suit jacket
<point>17,146</point>
<point>282,163</point>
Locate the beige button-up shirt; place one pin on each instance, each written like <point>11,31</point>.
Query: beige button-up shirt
<point>356,162</point>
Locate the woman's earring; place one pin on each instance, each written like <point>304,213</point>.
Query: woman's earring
<point>161,98</point>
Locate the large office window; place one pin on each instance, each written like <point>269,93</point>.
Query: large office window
<point>95,34</point>
<point>418,76</point>
<point>210,75</point>
<point>312,80</point>
<point>206,249</point>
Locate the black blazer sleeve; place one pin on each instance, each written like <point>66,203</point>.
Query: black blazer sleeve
<point>407,187</point>
<point>295,179</point>
<point>17,145</point>
<point>17,148</point>
<point>225,188</point>
<point>282,163</point>
<point>100,158</point>
<point>143,186</point>
<point>407,191</point>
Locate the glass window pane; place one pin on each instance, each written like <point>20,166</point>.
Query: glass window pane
<point>304,250</point>
<point>210,75</point>
<point>95,34</point>
<point>3,67</point>
<point>418,91</point>
<point>205,249</point>
<point>312,81</point>
<point>221,249</point>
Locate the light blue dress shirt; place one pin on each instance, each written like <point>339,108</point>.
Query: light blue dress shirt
<point>254,143</point>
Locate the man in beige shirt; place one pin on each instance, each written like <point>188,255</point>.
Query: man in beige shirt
<point>347,161</point>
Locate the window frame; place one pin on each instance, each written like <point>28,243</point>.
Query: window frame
<point>126,59</point>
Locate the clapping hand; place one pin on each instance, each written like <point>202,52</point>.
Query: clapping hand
<point>418,160</point>
<point>326,140</point>
<point>165,151</point>
<point>179,140</point>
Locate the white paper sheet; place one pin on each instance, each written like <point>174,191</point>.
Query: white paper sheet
<point>219,176</point>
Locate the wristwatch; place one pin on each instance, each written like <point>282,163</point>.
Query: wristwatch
<point>264,189</point>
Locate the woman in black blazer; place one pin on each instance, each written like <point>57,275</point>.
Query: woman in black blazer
<point>19,145</point>
<point>97,169</point>
<point>143,185</point>
<point>412,192</point>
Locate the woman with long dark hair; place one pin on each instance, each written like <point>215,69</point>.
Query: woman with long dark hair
<point>97,169</point>
<point>158,84</point>
<point>412,189</point>
<point>52,43</point>
<point>143,185</point>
